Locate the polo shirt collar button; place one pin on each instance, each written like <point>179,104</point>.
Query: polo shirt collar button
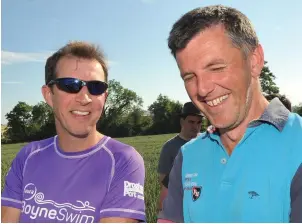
<point>223,160</point>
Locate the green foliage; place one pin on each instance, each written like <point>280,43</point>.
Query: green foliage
<point>28,123</point>
<point>165,115</point>
<point>122,106</point>
<point>298,109</point>
<point>267,81</point>
<point>19,122</point>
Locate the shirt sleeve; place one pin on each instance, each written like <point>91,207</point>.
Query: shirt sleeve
<point>125,197</point>
<point>173,203</point>
<point>296,197</point>
<point>12,194</point>
<point>165,162</point>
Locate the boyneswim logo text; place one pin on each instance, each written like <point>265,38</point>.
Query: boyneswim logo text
<point>36,206</point>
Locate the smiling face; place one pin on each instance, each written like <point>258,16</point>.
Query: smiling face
<point>217,77</point>
<point>76,114</point>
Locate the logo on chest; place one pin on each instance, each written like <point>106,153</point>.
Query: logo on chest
<point>191,184</point>
<point>37,207</point>
<point>253,194</point>
<point>196,191</point>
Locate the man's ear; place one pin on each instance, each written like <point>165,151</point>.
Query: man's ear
<point>257,61</point>
<point>181,121</point>
<point>47,94</point>
<point>106,95</point>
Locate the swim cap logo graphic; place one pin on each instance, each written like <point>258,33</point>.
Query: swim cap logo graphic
<point>30,191</point>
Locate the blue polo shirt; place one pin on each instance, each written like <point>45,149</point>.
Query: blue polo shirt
<point>260,182</point>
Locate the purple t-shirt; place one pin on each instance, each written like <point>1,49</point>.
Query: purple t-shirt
<point>49,185</point>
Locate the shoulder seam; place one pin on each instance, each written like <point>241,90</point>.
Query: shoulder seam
<point>112,166</point>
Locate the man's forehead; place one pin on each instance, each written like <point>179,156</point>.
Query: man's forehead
<point>72,64</point>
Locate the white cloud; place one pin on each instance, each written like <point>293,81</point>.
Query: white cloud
<point>11,82</point>
<point>9,57</point>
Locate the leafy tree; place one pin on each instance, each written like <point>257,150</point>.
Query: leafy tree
<point>19,120</point>
<point>298,109</point>
<point>42,114</point>
<point>165,115</point>
<point>43,121</point>
<point>120,103</point>
<point>138,121</point>
<point>267,81</point>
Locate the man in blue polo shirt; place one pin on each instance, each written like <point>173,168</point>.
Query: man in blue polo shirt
<point>247,169</point>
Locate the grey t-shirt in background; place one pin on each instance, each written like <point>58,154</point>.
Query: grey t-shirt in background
<point>168,153</point>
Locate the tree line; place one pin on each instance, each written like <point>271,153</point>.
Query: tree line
<point>123,115</point>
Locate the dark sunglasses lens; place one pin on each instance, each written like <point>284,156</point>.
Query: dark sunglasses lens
<point>69,85</point>
<point>96,87</point>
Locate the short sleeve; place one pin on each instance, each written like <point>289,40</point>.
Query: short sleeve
<point>12,194</point>
<point>173,203</point>
<point>125,197</point>
<point>296,197</point>
<point>165,162</point>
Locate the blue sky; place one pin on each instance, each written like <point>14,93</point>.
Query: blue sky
<point>133,34</point>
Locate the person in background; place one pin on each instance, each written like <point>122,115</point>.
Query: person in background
<point>79,175</point>
<point>190,123</point>
<point>249,167</point>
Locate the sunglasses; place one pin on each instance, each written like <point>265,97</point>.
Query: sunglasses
<point>73,85</point>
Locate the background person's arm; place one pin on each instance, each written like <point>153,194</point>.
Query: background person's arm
<point>163,192</point>
<point>164,166</point>
<point>165,162</point>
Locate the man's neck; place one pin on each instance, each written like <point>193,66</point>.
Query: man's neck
<point>184,137</point>
<point>69,143</point>
<point>230,138</point>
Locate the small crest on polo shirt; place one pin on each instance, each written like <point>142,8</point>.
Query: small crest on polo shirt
<point>196,191</point>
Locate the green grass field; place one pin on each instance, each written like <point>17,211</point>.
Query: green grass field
<point>148,146</point>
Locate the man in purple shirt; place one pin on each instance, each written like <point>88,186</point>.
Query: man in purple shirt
<point>79,175</point>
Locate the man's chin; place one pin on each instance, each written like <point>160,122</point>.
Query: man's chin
<point>80,134</point>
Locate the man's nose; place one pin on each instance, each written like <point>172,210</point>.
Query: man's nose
<point>205,84</point>
<point>83,97</point>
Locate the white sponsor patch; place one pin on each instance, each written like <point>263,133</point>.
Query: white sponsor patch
<point>133,190</point>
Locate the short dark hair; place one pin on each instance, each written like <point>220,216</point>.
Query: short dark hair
<point>78,49</point>
<point>237,26</point>
<point>286,102</point>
